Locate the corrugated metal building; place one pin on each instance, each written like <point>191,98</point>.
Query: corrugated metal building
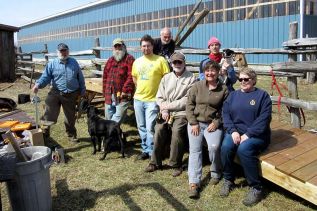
<point>237,23</point>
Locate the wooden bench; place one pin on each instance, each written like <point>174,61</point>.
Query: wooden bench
<point>291,161</point>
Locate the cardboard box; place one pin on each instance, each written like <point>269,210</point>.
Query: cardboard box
<point>36,137</point>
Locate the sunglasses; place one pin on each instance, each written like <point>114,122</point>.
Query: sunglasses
<point>177,62</point>
<point>244,79</point>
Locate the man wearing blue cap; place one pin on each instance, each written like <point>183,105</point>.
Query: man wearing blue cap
<point>67,84</point>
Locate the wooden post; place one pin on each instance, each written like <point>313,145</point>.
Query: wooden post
<point>292,81</point>
<point>46,51</point>
<point>97,53</point>
<point>311,76</point>
<point>182,27</point>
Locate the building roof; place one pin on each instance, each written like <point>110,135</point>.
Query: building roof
<point>92,4</point>
<point>9,28</point>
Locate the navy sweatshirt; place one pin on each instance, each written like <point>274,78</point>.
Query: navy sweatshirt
<point>248,113</point>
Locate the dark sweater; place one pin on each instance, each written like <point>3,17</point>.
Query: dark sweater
<point>163,50</point>
<point>248,113</point>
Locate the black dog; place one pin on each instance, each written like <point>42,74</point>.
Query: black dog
<point>107,130</point>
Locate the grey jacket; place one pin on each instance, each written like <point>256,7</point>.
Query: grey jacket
<point>174,91</point>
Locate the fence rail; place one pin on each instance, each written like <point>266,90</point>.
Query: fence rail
<point>291,69</point>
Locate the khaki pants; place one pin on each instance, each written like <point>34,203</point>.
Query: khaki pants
<point>177,134</point>
<point>54,101</point>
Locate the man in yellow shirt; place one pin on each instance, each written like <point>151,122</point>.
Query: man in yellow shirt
<point>147,72</point>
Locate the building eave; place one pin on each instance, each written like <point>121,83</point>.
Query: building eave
<point>92,4</point>
<point>9,28</point>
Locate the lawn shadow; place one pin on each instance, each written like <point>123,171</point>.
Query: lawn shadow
<point>86,198</point>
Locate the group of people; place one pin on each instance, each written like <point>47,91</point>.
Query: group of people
<point>174,108</point>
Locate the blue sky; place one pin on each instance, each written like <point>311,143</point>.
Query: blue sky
<point>20,12</point>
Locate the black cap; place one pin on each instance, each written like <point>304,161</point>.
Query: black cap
<point>62,46</point>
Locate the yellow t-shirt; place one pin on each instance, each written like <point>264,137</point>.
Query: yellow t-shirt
<point>148,71</point>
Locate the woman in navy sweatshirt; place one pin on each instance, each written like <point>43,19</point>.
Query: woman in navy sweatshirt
<point>246,117</point>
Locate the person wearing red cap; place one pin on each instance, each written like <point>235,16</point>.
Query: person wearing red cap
<point>227,74</point>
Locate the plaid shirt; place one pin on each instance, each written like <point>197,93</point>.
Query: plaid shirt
<point>117,77</point>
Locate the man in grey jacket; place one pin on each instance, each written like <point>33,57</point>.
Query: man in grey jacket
<point>171,123</point>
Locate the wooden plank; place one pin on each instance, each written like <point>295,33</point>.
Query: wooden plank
<point>277,159</point>
<point>25,69</point>
<point>302,42</point>
<point>307,172</point>
<point>303,145</point>
<point>276,148</point>
<point>284,142</point>
<point>298,162</point>
<point>276,124</point>
<point>202,51</point>
<point>313,181</point>
<point>94,84</point>
<point>295,67</point>
<point>295,103</point>
<point>304,190</point>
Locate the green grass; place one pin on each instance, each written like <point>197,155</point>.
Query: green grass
<point>85,183</point>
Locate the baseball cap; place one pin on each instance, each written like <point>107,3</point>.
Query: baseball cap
<point>62,46</point>
<point>117,41</point>
<point>177,56</point>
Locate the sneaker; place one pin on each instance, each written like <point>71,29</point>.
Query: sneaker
<point>214,181</point>
<point>193,192</point>
<point>253,197</point>
<point>143,156</point>
<point>151,168</point>
<point>177,172</point>
<point>226,188</point>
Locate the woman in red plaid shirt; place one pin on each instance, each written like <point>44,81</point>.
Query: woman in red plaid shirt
<point>118,86</point>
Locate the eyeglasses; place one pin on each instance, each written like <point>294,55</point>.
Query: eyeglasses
<point>177,62</point>
<point>244,79</point>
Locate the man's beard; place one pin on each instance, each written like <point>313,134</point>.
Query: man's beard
<point>119,54</point>
<point>165,43</point>
<point>61,57</point>
<point>178,69</point>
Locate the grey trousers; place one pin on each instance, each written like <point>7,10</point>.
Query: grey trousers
<point>54,101</point>
<point>177,134</point>
<point>213,140</point>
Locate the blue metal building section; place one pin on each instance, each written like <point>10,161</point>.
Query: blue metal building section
<point>79,28</point>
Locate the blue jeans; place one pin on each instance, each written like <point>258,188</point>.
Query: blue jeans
<point>145,114</point>
<point>116,113</point>
<point>213,140</point>
<point>247,153</point>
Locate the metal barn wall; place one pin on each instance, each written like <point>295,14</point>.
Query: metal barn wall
<point>252,33</point>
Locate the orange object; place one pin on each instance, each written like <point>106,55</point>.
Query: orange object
<point>8,123</point>
<point>21,126</point>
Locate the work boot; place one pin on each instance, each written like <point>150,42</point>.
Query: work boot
<point>151,168</point>
<point>226,188</point>
<point>177,171</point>
<point>214,181</point>
<point>143,156</point>
<point>193,192</point>
<point>253,197</point>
